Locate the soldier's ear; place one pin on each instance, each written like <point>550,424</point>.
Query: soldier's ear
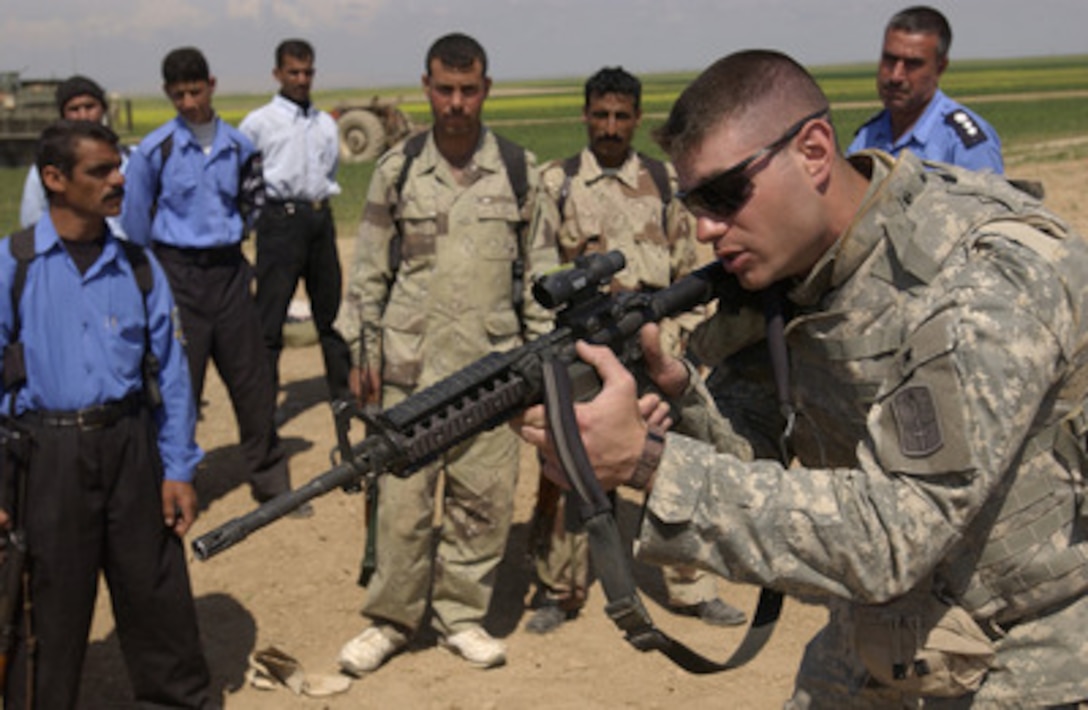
<point>54,179</point>
<point>817,146</point>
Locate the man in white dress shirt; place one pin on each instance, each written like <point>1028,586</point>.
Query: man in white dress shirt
<point>296,233</point>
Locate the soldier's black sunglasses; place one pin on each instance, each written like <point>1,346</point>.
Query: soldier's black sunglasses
<point>721,195</point>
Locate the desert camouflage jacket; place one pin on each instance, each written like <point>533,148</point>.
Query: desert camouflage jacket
<point>606,210</point>
<point>451,301</point>
<point>597,211</point>
<point>938,360</point>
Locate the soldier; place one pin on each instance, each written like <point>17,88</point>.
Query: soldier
<point>917,115</point>
<point>447,206</point>
<point>108,481</point>
<point>296,232</point>
<point>194,186</point>
<point>937,356</point>
<point>611,197</point>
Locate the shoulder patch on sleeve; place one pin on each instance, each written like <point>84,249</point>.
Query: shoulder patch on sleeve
<point>917,421</point>
<point>968,130</point>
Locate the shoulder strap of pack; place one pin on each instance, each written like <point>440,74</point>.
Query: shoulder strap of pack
<point>21,245</point>
<point>22,249</point>
<point>660,175</point>
<point>141,267</point>
<point>517,172</point>
<point>571,166</point>
<point>145,280</point>
<point>412,148</point>
<point>165,150</point>
<point>517,169</point>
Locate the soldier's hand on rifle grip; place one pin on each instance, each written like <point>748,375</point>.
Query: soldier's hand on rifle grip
<point>667,372</point>
<point>613,424</point>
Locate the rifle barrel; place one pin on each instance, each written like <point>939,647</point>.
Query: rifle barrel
<point>474,399</point>
<point>234,531</point>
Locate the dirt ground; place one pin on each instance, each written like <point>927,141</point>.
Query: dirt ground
<point>292,585</point>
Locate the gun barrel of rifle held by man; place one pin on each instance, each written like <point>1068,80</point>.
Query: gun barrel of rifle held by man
<point>495,388</point>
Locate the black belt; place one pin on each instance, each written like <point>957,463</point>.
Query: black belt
<point>209,256</point>
<point>98,416</point>
<point>292,206</point>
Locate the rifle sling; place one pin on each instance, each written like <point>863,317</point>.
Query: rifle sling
<point>611,562</point>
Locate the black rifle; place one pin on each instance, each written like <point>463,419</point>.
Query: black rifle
<point>495,388</point>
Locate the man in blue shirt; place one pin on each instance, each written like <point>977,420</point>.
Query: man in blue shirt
<point>296,233</point>
<point>107,485</point>
<point>194,185</point>
<point>917,115</point>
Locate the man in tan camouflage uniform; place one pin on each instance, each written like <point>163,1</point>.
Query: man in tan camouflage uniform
<point>939,366</point>
<point>453,216</point>
<point>611,197</point>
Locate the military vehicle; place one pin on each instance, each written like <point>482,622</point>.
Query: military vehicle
<point>26,107</point>
<point>29,105</point>
<point>368,130</point>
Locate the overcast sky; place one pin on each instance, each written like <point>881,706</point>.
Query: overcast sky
<point>370,43</point>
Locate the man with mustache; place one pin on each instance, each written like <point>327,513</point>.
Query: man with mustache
<point>107,482</point>
<point>609,197</point>
<point>917,115</point>
<point>442,276</point>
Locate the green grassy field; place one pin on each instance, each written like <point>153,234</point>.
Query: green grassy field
<point>1028,101</point>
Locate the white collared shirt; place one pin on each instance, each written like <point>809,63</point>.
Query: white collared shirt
<point>300,149</point>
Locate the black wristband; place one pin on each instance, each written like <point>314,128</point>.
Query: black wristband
<point>648,462</point>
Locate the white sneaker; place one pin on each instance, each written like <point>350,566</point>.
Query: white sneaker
<point>477,647</point>
<point>368,650</point>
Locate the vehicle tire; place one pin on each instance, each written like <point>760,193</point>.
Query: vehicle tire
<point>362,136</point>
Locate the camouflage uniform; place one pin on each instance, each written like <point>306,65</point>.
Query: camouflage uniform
<point>602,211</point>
<point>939,365</point>
<point>449,304</point>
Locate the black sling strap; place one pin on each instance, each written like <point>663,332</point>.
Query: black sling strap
<point>611,563</point>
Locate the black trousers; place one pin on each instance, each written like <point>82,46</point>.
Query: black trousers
<point>218,315</point>
<point>298,240</point>
<point>93,503</point>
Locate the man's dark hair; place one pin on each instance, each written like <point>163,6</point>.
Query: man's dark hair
<point>456,51</point>
<point>78,85</point>
<point>185,64</point>
<point>299,49</point>
<point>57,144</point>
<point>614,80</point>
<point>922,19</point>
<point>761,79</point>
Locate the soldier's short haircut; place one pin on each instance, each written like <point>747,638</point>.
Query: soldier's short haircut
<point>297,48</point>
<point>57,144</point>
<point>185,64</point>
<point>734,84</point>
<point>614,80</point>
<point>456,51</point>
<point>922,19</point>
